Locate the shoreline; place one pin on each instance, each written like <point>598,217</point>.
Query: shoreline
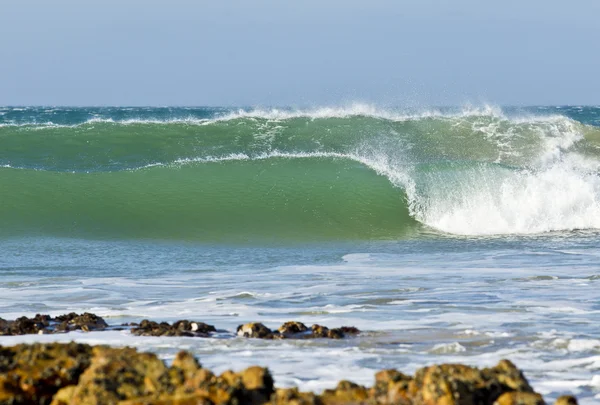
<point>443,384</point>
<point>74,373</point>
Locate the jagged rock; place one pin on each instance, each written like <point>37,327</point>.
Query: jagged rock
<point>346,392</point>
<point>349,330</point>
<point>179,328</point>
<point>508,376</point>
<point>258,383</point>
<point>77,374</point>
<point>291,328</point>
<point>291,396</point>
<point>391,387</point>
<point>43,324</point>
<point>32,374</point>
<point>24,325</point>
<point>459,384</point>
<point>294,330</point>
<point>255,330</point>
<point>520,398</point>
<point>566,400</point>
<point>320,331</point>
<point>86,322</point>
<point>119,374</point>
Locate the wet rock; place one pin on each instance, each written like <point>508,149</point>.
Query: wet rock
<point>179,328</point>
<point>43,324</point>
<point>24,325</point>
<point>520,398</point>
<point>566,400</point>
<point>255,330</point>
<point>86,322</point>
<point>32,374</point>
<point>349,330</point>
<point>319,331</point>
<point>292,328</point>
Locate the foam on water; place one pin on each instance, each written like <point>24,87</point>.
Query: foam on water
<point>472,303</point>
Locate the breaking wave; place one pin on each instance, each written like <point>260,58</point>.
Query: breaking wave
<point>328,173</point>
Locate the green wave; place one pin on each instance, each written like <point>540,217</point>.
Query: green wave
<point>304,199</point>
<point>293,177</point>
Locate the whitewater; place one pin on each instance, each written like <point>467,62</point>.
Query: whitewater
<point>446,234</point>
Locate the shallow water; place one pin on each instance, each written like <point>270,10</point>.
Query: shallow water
<point>533,300</point>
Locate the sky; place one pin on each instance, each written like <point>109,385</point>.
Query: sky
<point>299,53</point>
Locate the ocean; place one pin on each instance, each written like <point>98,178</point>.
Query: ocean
<point>461,235</point>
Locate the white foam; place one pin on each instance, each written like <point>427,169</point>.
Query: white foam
<point>326,112</point>
<point>446,348</point>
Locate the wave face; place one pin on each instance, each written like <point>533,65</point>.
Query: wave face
<point>281,174</point>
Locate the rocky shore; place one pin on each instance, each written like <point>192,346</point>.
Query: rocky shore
<point>74,374</point>
<point>86,322</point>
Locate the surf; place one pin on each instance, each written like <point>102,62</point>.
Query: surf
<point>231,175</point>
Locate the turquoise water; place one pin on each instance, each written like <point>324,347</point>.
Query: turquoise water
<point>465,235</point>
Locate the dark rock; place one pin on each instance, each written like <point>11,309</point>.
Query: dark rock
<point>292,328</point>
<point>255,330</point>
<point>349,330</point>
<point>179,328</point>
<point>86,322</point>
<point>42,324</point>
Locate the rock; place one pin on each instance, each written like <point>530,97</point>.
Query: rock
<point>291,396</point>
<point>44,324</point>
<point>179,328</point>
<point>25,326</point>
<point>187,363</point>
<point>319,331</point>
<point>508,376</point>
<point>120,374</point>
<point>63,396</point>
<point>349,330</point>
<point>292,328</point>
<point>520,398</point>
<point>346,392</point>
<point>86,322</point>
<point>459,384</point>
<point>391,387</point>
<point>77,374</point>
<point>566,400</point>
<point>258,384</point>
<point>34,373</point>
<point>254,330</point>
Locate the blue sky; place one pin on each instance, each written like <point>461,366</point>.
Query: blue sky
<point>234,52</point>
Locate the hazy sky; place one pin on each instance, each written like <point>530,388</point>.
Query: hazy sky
<point>298,53</point>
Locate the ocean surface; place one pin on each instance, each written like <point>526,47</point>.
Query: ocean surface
<point>447,235</point>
